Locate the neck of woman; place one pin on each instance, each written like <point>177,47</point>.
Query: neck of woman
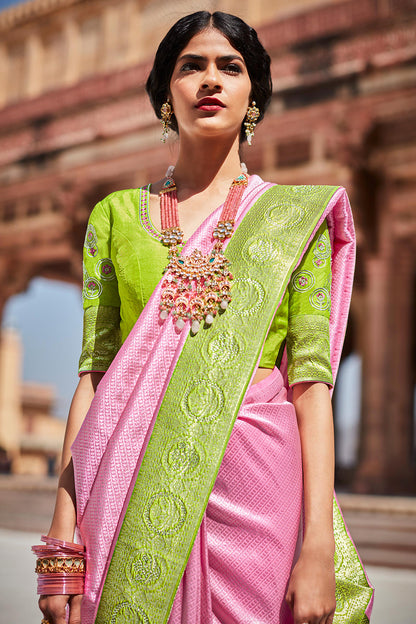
<point>206,163</point>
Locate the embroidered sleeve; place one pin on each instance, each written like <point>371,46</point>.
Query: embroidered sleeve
<point>308,346</point>
<point>101,335</point>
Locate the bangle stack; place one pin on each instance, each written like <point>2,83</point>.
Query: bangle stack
<point>60,567</point>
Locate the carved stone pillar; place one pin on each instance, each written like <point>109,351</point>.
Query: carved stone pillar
<point>33,83</point>
<point>134,49</point>
<point>108,58</point>
<point>10,380</point>
<point>371,470</point>
<point>71,35</point>
<point>4,67</point>
<point>399,426</point>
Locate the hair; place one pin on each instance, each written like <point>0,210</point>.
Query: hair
<point>240,35</point>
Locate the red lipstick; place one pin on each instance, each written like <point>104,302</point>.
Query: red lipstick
<point>210,104</point>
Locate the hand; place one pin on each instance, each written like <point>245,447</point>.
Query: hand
<point>54,608</point>
<point>311,590</point>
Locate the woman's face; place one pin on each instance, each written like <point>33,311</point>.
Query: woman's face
<point>210,87</point>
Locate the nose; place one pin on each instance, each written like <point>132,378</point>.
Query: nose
<point>212,78</point>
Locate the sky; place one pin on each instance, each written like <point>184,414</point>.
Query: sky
<point>6,3</point>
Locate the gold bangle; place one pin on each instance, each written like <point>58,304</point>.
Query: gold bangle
<point>60,565</point>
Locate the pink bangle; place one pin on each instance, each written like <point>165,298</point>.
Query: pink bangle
<point>71,546</point>
<point>54,584</point>
<point>54,581</point>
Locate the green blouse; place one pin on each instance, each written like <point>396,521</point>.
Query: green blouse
<point>124,260</point>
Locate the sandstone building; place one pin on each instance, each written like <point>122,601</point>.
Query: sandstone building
<point>30,437</point>
<point>75,124</point>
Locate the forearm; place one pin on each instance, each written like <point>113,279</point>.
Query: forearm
<point>314,414</point>
<point>64,517</point>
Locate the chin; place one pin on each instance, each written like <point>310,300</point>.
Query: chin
<point>214,130</point>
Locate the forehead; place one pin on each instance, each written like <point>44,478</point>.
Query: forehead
<point>209,42</point>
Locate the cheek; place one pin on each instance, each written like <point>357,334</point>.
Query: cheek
<point>181,95</point>
<point>242,93</point>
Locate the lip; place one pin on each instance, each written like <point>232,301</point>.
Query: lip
<point>210,103</point>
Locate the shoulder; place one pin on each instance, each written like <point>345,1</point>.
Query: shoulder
<point>119,198</point>
<point>306,190</point>
<point>307,199</point>
<point>118,203</point>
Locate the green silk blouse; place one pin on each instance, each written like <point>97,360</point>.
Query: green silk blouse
<point>124,261</point>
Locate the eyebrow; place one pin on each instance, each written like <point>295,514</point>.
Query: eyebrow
<point>198,57</point>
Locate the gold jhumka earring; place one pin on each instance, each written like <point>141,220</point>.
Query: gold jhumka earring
<point>253,113</point>
<point>166,114</point>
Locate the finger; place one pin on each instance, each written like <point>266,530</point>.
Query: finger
<point>42,603</point>
<point>302,618</point>
<point>326,619</point>
<point>75,609</point>
<point>58,618</point>
<point>289,598</point>
<point>54,608</point>
<point>300,615</point>
<point>47,618</point>
<point>43,606</point>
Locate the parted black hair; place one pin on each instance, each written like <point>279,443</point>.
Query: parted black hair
<point>240,35</point>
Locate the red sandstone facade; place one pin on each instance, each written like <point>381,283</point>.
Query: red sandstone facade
<point>343,112</point>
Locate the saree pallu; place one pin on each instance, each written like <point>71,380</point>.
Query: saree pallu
<point>148,453</point>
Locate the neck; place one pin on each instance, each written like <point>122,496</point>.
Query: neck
<point>208,163</point>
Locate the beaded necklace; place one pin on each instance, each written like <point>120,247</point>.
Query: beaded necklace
<point>196,287</point>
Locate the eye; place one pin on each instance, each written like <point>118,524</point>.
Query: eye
<point>189,66</point>
<point>232,68</point>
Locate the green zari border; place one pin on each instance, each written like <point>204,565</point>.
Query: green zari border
<point>200,405</point>
<point>353,592</point>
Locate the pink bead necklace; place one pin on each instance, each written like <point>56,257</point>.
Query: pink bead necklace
<point>196,287</point>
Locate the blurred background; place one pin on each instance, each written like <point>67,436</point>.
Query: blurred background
<point>75,125</point>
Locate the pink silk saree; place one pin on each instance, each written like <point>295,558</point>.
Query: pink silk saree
<point>242,554</point>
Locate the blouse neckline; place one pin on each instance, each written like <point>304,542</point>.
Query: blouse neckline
<point>144,215</point>
<point>145,219</point>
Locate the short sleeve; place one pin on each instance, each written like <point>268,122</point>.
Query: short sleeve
<point>308,345</point>
<point>101,302</point>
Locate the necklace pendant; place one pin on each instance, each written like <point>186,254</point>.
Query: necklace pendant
<point>196,287</point>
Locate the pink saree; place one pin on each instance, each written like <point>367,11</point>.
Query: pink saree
<point>243,543</point>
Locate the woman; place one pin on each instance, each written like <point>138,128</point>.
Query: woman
<point>192,464</point>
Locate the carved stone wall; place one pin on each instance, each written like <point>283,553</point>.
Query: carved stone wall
<point>343,112</point>
<point>50,44</point>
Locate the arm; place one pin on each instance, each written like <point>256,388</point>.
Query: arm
<point>314,414</point>
<point>311,591</point>
<point>64,517</point>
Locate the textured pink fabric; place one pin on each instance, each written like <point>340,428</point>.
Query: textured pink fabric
<point>241,560</point>
<point>243,554</point>
<point>109,447</point>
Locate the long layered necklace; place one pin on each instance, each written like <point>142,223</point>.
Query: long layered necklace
<point>196,287</point>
